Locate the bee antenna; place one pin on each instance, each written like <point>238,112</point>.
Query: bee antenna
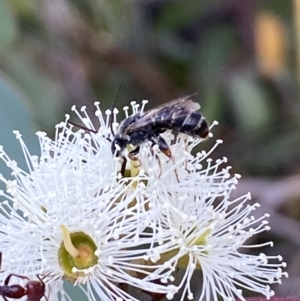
<point>191,95</point>
<point>82,127</point>
<point>116,94</point>
<point>113,105</point>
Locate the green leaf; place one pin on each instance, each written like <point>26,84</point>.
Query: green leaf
<point>213,106</point>
<point>45,94</point>
<point>15,114</point>
<point>177,14</point>
<point>282,8</point>
<point>8,25</point>
<point>214,52</point>
<point>248,100</point>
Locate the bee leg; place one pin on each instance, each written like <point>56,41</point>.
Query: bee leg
<point>164,147</point>
<point>133,155</point>
<point>156,157</point>
<point>186,161</point>
<point>123,166</point>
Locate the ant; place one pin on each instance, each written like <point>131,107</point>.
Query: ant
<point>34,289</point>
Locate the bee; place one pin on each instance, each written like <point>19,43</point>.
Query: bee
<point>179,115</point>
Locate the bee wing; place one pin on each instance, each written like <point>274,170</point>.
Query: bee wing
<point>165,114</point>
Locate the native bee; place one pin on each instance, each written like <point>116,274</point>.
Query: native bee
<point>180,115</point>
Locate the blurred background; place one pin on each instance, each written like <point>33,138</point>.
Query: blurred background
<point>241,57</point>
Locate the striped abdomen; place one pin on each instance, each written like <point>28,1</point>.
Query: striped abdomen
<point>192,124</point>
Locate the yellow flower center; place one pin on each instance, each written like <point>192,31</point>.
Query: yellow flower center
<point>183,261</point>
<point>77,251</point>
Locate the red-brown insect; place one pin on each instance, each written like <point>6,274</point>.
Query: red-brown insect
<point>34,289</point>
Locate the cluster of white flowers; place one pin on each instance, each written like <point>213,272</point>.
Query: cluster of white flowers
<point>72,217</point>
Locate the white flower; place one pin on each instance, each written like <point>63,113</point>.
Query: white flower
<point>209,229</point>
<point>206,228</point>
<point>164,214</point>
<point>71,193</point>
<point>208,236</point>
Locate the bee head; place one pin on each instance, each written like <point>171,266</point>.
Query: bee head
<point>118,145</point>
